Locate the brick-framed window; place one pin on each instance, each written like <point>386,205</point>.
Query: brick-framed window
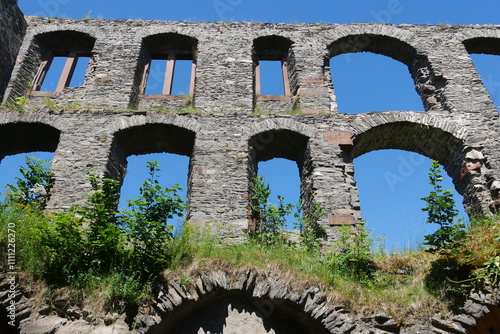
<point>162,70</point>
<point>71,59</point>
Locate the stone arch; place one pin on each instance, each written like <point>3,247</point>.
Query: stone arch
<point>436,138</point>
<point>480,40</point>
<point>253,301</point>
<point>186,31</point>
<point>163,45</point>
<point>24,136</point>
<point>400,46</point>
<point>145,138</point>
<point>54,28</point>
<point>43,45</point>
<point>135,138</point>
<point>288,141</point>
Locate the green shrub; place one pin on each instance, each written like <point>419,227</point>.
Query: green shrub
<point>145,224</point>
<point>312,233</point>
<point>350,254</point>
<point>34,186</point>
<point>271,217</point>
<point>441,210</point>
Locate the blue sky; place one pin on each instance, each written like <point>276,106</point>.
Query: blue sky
<point>391,183</point>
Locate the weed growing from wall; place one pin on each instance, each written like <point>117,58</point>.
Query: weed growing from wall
<point>312,234</point>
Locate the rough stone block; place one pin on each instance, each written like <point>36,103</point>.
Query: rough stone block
<point>339,137</point>
<point>337,220</point>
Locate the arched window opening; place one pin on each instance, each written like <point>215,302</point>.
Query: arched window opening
<point>273,55</point>
<point>366,82</point>
<point>278,155</point>
<point>391,185</point>
<point>485,54</point>
<point>18,140</point>
<point>167,66</point>
<point>10,168</point>
<point>133,147</point>
<point>275,77</point>
<point>174,170</point>
<point>488,67</point>
<point>64,59</point>
<point>284,180</point>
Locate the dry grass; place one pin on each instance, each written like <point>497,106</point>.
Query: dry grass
<point>397,286</point>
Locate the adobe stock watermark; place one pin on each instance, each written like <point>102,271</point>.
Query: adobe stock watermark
<point>405,169</point>
<point>224,6</point>
<point>11,274</point>
<point>50,8</point>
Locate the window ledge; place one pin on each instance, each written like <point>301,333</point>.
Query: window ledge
<point>273,97</point>
<point>44,94</point>
<point>166,97</point>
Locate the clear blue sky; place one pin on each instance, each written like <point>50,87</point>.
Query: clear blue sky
<point>391,183</point>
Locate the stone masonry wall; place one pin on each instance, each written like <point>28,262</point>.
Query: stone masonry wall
<point>13,28</point>
<point>90,124</point>
<point>95,127</point>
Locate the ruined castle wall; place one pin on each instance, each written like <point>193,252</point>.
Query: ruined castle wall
<point>12,29</point>
<point>91,123</point>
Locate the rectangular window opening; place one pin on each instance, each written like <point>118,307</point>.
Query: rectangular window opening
<point>53,74</point>
<point>156,77</point>
<point>272,77</point>
<point>181,82</point>
<point>169,74</point>
<point>61,70</point>
<point>78,77</point>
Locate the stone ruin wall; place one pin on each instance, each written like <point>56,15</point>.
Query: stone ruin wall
<point>225,138</point>
<point>12,27</point>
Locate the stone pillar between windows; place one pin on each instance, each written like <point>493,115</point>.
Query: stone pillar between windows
<point>315,92</point>
<point>328,178</point>
<point>218,182</point>
<point>83,148</point>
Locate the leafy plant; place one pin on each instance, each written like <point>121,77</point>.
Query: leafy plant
<point>87,238</point>
<point>441,210</point>
<point>447,275</point>
<point>271,217</point>
<point>34,186</point>
<point>145,221</point>
<point>351,254</point>
<point>52,105</point>
<point>20,103</point>
<point>311,232</point>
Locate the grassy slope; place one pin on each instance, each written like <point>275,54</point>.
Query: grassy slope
<point>396,285</point>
